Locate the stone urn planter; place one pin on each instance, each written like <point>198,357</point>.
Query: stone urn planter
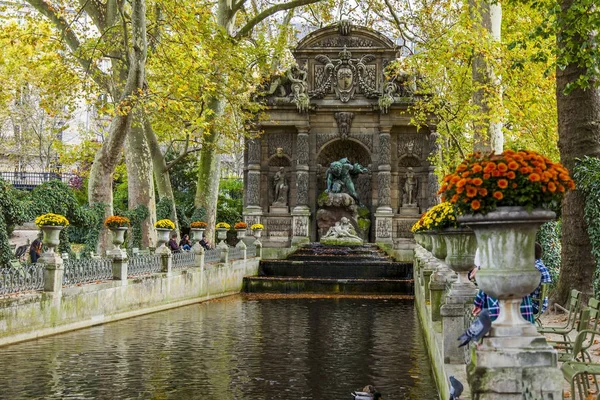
<point>222,234</point>
<point>419,238</point>
<point>197,234</point>
<point>241,233</point>
<point>51,237</point>
<point>461,245</point>
<point>506,242</point>
<point>118,236</point>
<point>427,240</point>
<point>438,245</point>
<point>257,233</point>
<point>162,237</point>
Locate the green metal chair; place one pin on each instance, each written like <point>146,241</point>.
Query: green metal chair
<point>588,320</point>
<point>572,317</point>
<point>540,302</point>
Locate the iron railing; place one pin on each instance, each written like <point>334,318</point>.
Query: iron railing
<point>212,255</point>
<point>21,278</point>
<point>184,259</point>
<point>86,270</point>
<point>144,264</point>
<point>235,253</point>
<point>29,180</point>
<point>251,251</point>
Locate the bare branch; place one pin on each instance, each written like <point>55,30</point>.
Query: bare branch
<point>246,29</point>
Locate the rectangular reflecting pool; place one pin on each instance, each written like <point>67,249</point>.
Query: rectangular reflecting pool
<point>236,348</point>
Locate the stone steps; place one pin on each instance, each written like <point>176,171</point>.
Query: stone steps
<point>277,284</point>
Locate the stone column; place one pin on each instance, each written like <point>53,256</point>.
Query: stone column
<point>301,212</point>
<point>119,267</point>
<point>53,273</point>
<point>199,250</point>
<point>383,214</point>
<point>253,211</point>
<point>224,251</point>
<point>167,262</point>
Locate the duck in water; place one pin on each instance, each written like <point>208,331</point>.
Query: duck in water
<point>368,393</point>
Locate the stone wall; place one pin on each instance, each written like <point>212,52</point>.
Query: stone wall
<point>31,316</point>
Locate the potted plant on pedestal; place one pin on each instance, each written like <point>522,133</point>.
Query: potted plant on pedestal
<point>51,225</point>
<point>118,226</point>
<point>197,228</point>
<point>504,198</point>
<point>240,228</point>
<point>222,228</point>
<point>163,228</point>
<point>257,230</point>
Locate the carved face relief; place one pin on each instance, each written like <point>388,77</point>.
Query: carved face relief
<point>344,78</point>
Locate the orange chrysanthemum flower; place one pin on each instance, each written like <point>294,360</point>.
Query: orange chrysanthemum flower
<point>483,192</point>
<point>498,195</point>
<point>461,183</point>
<point>496,173</point>
<point>471,191</point>
<point>502,183</point>
<point>465,174</point>
<point>502,167</point>
<point>476,168</point>
<point>513,165</point>
<point>534,177</point>
<point>551,187</point>
<point>477,181</point>
<point>511,175</point>
<point>454,198</point>
<point>475,205</point>
<point>486,176</point>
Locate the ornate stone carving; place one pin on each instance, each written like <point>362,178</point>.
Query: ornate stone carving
<point>299,92</point>
<point>280,141</point>
<point>323,138</point>
<point>384,186</point>
<point>365,138</point>
<point>432,188</point>
<point>280,188</point>
<point>302,148</point>
<point>344,122</point>
<point>279,226</point>
<point>253,151</point>
<point>341,232</point>
<point>410,150</point>
<point>384,228</point>
<point>253,189</point>
<point>403,227</point>
<point>351,150</point>
<point>301,188</point>
<point>279,162</point>
<point>345,41</point>
<point>385,156</point>
<point>300,226</point>
<point>409,194</point>
<point>346,75</point>
<point>434,146</point>
<point>345,27</point>
<point>251,220</point>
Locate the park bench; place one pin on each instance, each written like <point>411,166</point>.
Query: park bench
<point>573,313</point>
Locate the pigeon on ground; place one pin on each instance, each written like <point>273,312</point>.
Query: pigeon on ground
<point>478,329</point>
<point>456,388</point>
<point>368,393</point>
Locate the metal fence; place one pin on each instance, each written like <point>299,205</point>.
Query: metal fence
<point>144,264</point>
<point>251,251</point>
<point>29,180</point>
<point>212,255</point>
<point>235,253</point>
<point>21,278</point>
<point>184,259</point>
<point>86,270</point>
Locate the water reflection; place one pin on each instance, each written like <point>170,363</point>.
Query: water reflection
<point>231,349</point>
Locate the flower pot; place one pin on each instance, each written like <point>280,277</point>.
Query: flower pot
<point>506,242</point>
<point>419,238</point>
<point>438,245</point>
<point>162,236</point>
<point>461,245</point>
<point>241,233</point>
<point>221,233</point>
<point>51,236</point>
<point>197,234</point>
<point>257,233</point>
<point>427,241</point>
<point>118,236</point>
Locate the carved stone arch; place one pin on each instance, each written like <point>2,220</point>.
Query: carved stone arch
<point>409,160</point>
<point>280,160</point>
<point>359,36</point>
<point>355,151</point>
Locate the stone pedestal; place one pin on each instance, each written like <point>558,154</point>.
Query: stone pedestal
<point>224,251</point>
<point>274,209</point>
<point>119,267</point>
<point>300,224</point>
<point>53,273</point>
<point>167,262</point>
<point>199,250</point>
<point>437,287</point>
<point>409,210</point>
<point>383,227</point>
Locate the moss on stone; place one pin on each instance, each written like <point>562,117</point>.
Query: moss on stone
<point>323,197</point>
<point>364,212</point>
<point>364,224</point>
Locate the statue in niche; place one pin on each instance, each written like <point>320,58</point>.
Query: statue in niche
<point>410,189</point>
<point>297,76</point>
<point>344,121</point>
<point>342,229</point>
<point>340,175</point>
<point>280,187</point>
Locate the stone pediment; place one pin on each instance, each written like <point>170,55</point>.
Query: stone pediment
<point>346,35</point>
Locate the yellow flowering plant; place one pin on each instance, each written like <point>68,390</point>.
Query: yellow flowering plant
<point>438,217</point>
<point>257,226</point>
<point>223,225</point>
<point>164,224</point>
<point>51,220</point>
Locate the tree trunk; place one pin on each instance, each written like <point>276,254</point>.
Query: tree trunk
<point>161,174</point>
<point>139,177</point>
<point>207,191</point>
<point>109,155</point>
<point>488,134</point>
<point>578,136</point>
